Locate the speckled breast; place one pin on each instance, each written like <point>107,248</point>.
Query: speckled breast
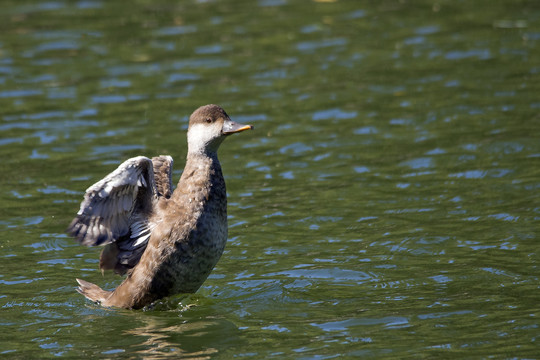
<point>194,255</point>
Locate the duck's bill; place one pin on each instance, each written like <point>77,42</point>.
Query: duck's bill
<point>231,127</point>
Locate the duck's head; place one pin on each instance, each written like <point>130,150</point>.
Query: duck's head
<point>209,125</point>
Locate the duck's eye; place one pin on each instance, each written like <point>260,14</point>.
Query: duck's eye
<point>209,120</point>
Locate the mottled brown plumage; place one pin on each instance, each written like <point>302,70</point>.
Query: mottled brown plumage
<point>167,242</point>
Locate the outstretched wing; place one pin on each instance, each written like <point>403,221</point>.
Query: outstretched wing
<point>122,255</point>
<point>117,205</point>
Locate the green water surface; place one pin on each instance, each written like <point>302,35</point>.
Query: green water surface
<point>386,205</point>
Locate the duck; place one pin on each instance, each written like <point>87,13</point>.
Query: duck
<point>166,241</point>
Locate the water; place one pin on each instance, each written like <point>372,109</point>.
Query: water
<point>386,204</point>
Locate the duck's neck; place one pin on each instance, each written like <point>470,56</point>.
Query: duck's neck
<point>202,177</point>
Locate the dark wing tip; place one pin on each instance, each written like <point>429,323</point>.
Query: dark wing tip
<point>87,230</point>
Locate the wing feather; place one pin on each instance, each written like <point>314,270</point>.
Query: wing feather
<point>116,211</point>
<point>109,204</point>
<point>163,175</point>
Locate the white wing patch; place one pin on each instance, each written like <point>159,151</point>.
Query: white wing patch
<point>140,232</point>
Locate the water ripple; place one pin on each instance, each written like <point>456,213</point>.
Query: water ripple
<point>333,114</point>
<point>334,274</point>
<point>176,30</point>
<point>311,46</point>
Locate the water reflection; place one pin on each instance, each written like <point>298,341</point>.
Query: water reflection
<point>193,339</point>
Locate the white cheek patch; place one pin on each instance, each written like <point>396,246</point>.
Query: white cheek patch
<point>200,135</point>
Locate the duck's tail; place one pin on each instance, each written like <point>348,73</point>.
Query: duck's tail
<point>93,292</point>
